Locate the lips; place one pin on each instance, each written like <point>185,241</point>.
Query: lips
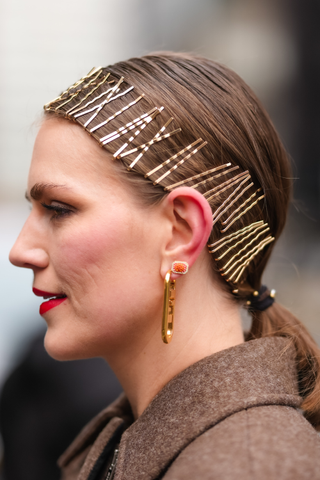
<point>54,300</point>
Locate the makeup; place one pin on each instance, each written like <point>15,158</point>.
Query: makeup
<point>54,299</point>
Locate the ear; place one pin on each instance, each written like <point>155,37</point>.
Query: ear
<point>191,224</point>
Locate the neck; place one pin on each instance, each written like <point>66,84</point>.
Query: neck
<point>202,328</point>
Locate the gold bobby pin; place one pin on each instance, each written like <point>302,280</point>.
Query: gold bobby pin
<point>248,235</point>
<point>242,258</point>
<point>263,244</point>
<point>225,222</point>
<point>142,122</point>
<point>199,175</point>
<point>242,249</point>
<point>109,99</point>
<point>244,212</point>
<point>181,162</point>
<point>110,93</point>
<point>227,184</point>
<point>105,78</point>
<point>234,236</point>
<point>75,94</point>
<point>74,85</point>
<point>145,147</point>
<point>137,132</point>
<point>210,179</point>
<point>172,158</point>
<point>110,96</point>
<point>215,215</point>
<point>71,96</point>
<point>252,257</point>
<point>133,124</point>
<point>103,94</point>
<point>99,107</point>
<point>116,114</point>
<point>142,147</point>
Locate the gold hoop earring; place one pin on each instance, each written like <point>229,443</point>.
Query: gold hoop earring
<point>169,300</point>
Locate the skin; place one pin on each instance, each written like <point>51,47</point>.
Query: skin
<point>109,255</point>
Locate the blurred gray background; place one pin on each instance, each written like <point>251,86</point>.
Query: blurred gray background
<point>272,44</point>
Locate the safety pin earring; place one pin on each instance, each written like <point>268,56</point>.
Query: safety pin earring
<point>169,300</point>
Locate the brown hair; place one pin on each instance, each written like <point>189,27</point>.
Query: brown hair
<point>210,101</point>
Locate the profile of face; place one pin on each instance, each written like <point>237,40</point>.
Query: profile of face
<point>88,238</point>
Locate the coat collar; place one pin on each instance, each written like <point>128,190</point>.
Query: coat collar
<point>259,372</point>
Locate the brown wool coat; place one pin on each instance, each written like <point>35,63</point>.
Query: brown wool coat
<point>233,415</point>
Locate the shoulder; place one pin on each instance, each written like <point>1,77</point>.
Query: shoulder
<point>265,443</point>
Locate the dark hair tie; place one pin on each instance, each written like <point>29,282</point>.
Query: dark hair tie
<point>262,299</point>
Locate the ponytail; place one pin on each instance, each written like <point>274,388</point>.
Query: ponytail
<point>277,321</point>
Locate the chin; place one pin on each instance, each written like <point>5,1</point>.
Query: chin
<point>62,349</point>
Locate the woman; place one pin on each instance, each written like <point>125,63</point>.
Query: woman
<point>190,159</point>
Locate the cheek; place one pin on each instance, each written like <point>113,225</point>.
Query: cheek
<point>105,257</point>
<point>88,245</point>
<point>110,270</point>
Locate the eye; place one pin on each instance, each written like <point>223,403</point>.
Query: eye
<point>59,211</point>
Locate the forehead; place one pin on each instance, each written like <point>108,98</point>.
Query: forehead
<point>63,152</point>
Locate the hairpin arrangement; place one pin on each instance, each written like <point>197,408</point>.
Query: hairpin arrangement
<point>96,91</point>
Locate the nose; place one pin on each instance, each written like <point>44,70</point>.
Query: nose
<point>28,250</point>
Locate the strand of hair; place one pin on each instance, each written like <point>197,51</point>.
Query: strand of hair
<point>166,162</point>
<point>243,213</point>
<point>210,179</point>
<point>250,259</point>
<point>190,179</point>
<point>156,140</point>
<point>123,132</point>
<point>75,94</point>
<point>147,121</point>
<point>215,215</point>
<point>144,145</point>
<point>108,100</point>
<point>251,253</point>
<point>105,122</point>
<point>241,250</point>
<point>125,127</point>
<point>141,123</point>
<point>75,107</point>
<point>159,139</point>
<point>74,85</point>
<point>103,94</point>
<point>113,94</point>
<point>181,162</point>
<point>236,234</point>
<point>252,232</point>
<point>110,92</point>
<point>233,202</point>
<point>225,222</point>
<point>225,186</point>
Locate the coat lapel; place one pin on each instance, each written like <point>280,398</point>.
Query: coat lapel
<point>85,451</point>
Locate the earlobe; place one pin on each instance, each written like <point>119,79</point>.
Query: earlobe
<point>191,219</point>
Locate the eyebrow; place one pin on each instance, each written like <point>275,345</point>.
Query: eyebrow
<point>39,189</point>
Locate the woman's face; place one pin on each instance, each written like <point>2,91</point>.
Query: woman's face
<point>88,239</point>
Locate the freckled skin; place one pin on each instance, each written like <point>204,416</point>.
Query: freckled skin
<point>99,256</point>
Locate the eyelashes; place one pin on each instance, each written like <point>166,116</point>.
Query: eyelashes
<point>58,211</point>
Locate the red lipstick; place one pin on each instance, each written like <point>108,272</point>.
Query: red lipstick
<point>54,300</point>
